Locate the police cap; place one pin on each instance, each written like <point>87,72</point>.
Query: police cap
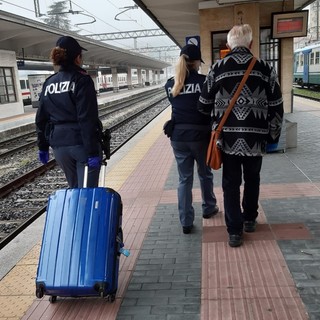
<point>192,51</point>
<point>71,45</point>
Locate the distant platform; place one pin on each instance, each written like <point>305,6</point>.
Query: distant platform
<point>25,122</point>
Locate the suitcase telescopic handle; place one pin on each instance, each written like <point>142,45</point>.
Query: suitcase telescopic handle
<point>85,177</point>
<point>102,174</point>
<point>101,177</point>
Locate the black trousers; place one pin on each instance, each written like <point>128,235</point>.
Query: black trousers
<point>233,167</point>
<point>72,160</point>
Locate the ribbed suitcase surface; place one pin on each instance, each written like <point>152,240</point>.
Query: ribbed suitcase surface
<point>81,242</point>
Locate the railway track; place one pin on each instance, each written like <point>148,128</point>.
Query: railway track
<point>24,198</point>
<point>107,111</point>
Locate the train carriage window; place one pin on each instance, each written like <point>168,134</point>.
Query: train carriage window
<point>7,89</point>
<point>23,84</point>
<point>317,60</point>
<point>311,58</point>
<point>296,60</point>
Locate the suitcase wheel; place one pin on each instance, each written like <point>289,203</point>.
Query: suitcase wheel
<point>112,297</point>
<point>39,292</point>
<point>100,288</point>
<point>53,299</point>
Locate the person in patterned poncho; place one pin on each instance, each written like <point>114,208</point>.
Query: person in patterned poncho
<point>252,128</point>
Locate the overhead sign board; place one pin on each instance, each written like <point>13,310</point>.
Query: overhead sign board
<point>289,24</point>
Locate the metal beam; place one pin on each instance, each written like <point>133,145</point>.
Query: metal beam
<point>156,49</point>
<point>155,20</point>
<point>127,34</point>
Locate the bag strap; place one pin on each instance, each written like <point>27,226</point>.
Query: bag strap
<point>236,95</point>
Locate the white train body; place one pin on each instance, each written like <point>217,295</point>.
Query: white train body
<point>103,82</point>
<point>24,76</point>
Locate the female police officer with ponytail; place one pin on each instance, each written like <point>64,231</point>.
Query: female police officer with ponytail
<point>67,118</point>
<point>190,136</point>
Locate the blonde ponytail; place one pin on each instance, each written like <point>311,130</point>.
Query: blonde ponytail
<point>180,75</point>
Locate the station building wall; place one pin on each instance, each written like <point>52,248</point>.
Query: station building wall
<point>258,15</point>
<point>8,60</point>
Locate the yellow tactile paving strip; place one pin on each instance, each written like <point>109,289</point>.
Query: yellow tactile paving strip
<point>17,288</point>
<point>126,166</point>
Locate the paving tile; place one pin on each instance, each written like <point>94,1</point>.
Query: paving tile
<point>287,231</point>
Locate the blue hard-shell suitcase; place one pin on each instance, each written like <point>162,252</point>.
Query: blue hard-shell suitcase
<point>81,244</point>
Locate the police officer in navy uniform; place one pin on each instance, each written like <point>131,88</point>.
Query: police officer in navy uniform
<point>67,118</point>
<point>190,137</point>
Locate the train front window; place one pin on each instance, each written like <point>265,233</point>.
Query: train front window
<point>7,89</point>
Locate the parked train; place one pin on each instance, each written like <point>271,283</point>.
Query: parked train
<point>307,66</point>
<point>102,83</point>
<point>34,80</point>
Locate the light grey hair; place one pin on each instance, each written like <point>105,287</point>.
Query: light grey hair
<point>239,36</point>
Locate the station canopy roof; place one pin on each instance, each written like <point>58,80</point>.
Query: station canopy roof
<point>32,40</point>
<point>180,18</point>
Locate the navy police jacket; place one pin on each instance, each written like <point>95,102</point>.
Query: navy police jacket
<point>68,111</point>
<point>190,124</point>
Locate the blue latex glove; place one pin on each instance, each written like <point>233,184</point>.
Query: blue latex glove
<point>271,147</point>
<point>43,156</point>
<point>94,162</point>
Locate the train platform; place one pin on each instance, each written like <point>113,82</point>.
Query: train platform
<point>170,275</point>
